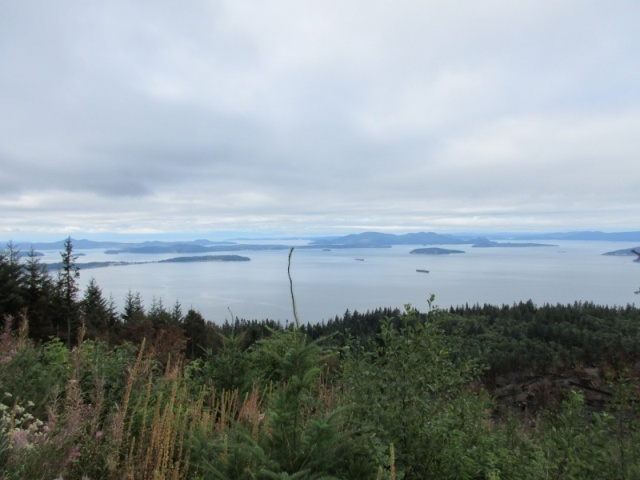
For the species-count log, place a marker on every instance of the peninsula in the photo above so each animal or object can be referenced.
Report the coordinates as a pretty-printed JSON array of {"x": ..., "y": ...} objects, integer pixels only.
[{"x": 200, "y": 258}]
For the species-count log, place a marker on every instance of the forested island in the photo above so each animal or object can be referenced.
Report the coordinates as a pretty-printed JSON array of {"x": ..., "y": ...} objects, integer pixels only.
[
  {"x": 435, "y": 251},
  {"x": 193, "y": 259},
  {"x": 486, "y": 243},
  {"x": 518, "y": 391},
  {"x": 206, "y": 258},
  {"x": 190, "y": 248}
]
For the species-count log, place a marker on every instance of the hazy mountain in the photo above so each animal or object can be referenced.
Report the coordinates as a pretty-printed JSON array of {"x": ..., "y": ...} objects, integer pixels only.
[
  {"x": 82, "y": 244},
  {"x": 359, "y": 240},
  {"x": 584, "y": 235},
  {"x": 377, "y": 239}
]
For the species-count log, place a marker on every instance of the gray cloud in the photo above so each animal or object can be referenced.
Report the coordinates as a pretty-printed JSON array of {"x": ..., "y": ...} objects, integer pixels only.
[{"x": 162, "y": 117}]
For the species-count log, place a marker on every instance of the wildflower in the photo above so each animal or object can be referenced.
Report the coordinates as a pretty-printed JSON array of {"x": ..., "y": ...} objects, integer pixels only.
[
  {"x": 19, "y": 438},
  {"x": 74, "y": 453},
  {"x": 72, "y": 456}
]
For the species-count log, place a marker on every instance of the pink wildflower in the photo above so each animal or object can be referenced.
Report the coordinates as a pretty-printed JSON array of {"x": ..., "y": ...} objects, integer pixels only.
[
  {"x": 20, "y": 439},
  {"x": 72, "y": 456}
]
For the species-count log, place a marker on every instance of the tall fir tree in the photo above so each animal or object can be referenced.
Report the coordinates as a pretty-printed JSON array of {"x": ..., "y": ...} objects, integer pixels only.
[
  {"x": 11, "y": 279},
  {"x": 194, "y": 327},
  {"x": 67, "y": 287},
  {"x": 38, "y": 293},
  {"x": 133, "y": 309},
  {"x": 95, "y": 311},
  {"x": 158, "y": 314},
  {"x": 176, "y": 313}
]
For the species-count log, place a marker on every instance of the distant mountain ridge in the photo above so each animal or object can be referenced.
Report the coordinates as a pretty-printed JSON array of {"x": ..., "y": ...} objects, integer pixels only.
[
  {"x": 587, "y": 235},
  {"x": 369, "y": 239},
  {"x": 356, "y": 240},
  {"x": 83, "y": 244},
  {"x": 377, "y": 239}
]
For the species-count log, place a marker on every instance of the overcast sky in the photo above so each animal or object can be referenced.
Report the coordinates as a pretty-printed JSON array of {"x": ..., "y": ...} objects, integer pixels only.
[{"x": 306, "y": 117}]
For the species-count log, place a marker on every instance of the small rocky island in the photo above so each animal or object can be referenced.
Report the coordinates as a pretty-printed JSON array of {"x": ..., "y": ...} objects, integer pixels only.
[{"x": 435, "y": 251}]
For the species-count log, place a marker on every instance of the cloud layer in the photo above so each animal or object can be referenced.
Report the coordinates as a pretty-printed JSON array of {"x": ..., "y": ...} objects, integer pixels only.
[{"x": 305, "y": 117}]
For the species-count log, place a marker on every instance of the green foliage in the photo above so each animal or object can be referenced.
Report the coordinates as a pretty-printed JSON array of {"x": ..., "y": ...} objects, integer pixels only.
[
  {"x": 228, "y": 368},
  {"x": 624, "y": 433},
  {"x": 575, "y": 442},
  {"x": 412, "y": 394},
  {"x": 301, "y": 434},
  {"x": 107, "y": 366},
  {"x": 286, "y": 356},
  {"x": 410, "y": 386},
  {"x": 36, "y": 374},
  {"x": 527, "y": 337}
]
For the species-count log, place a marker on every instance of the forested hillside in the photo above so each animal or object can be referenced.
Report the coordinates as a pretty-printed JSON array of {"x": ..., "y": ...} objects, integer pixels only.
[{"x": 497, "y": 392}]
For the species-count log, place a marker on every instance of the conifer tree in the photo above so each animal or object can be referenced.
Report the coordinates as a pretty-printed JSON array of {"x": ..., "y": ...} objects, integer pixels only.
[
  {"x": 38, "y": 293},
  {"x": 158, "y": 315},
  {"x": 11, "y": 277},
  {"x": 68, "y": 274},
  {"x": 133, "y": 309},
  {"x": 176, "y": 313},
  {"x": 194, "y": 327},
  {"x": 95, "y": 310}
]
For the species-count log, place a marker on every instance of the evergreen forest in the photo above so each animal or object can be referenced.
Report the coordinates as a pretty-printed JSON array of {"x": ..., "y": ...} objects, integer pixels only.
[{"x": 522, "y": 391}]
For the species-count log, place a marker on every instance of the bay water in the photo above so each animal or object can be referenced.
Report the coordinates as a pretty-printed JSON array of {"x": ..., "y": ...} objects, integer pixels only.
[{"x": 327, "y": 283}]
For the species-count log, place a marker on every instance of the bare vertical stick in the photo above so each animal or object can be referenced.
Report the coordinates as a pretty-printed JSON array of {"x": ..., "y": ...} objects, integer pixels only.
[{"x": 293, "y": 298}]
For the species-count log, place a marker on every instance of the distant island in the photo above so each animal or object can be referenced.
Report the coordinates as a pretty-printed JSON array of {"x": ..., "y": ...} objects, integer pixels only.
[
  {"x": 22, "y": 254},
  {"x": 435, "y": 251},
  {"x": 202, "y": 258},
  {"x": 190, "y": 248},
  {"x": 206, "y": 258},
  {"x": 486, "y": 243}
]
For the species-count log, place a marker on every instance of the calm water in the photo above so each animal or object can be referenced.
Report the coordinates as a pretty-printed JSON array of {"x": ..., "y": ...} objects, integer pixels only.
[{"x": 328, "y": 283}]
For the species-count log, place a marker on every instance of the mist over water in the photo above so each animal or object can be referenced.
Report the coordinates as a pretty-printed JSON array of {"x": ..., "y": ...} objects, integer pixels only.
[{"x": 327, "y": 283}]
